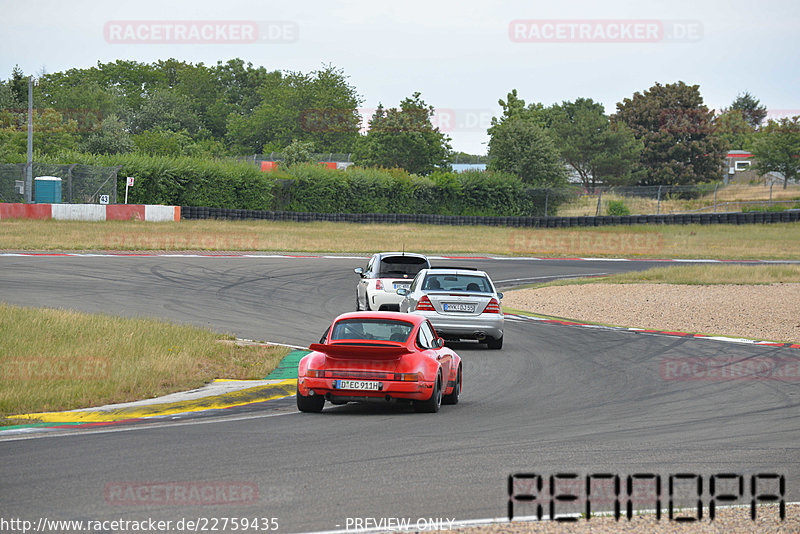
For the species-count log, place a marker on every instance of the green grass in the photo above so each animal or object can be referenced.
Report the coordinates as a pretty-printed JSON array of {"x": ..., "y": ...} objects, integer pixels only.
[
  {"x": 59, "y": 360},
  {"x": 752, "y": 241}
]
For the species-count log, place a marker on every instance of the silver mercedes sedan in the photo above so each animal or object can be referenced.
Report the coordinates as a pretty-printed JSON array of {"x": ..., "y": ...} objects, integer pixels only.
[{"x": 460, "y": 303}]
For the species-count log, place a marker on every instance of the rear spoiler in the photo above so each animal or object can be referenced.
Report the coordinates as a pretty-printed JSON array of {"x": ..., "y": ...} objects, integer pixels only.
[{"x": 361, "y": 351}]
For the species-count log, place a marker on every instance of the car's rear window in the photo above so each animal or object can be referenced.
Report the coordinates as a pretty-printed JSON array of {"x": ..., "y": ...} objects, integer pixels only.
[
  {"x": 372, "y": 329},
  {"x": 401, "y": 266},
  {"x": 457, "y": 282}
]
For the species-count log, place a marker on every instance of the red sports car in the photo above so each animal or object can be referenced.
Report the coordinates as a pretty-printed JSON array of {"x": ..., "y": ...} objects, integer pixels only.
[{"x": 379, "y": 357}]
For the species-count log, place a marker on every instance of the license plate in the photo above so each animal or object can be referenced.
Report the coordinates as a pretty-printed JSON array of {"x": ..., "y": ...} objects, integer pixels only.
[
  {"x": 399, "y": 285},
  {"x": 454, "y": 306},
  {"x": 363, "y": 385}
]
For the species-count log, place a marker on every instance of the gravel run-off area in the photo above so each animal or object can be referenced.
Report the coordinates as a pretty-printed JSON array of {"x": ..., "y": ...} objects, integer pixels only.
[
  {"x": 730, "y": 520},
  {"x": 767, "y": 312}
]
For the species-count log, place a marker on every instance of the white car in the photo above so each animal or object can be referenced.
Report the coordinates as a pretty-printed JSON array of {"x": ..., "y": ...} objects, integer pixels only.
[{"x": 385, "y": 273}]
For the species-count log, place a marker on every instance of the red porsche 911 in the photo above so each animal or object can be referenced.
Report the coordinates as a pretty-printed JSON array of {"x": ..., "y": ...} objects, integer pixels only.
[{"x": 379, "y": 357}]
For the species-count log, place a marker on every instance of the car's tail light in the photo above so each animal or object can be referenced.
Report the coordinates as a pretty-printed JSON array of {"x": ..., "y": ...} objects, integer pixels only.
[
  {"x": 378, "y": 284},
  {"x": 492, "y": 307},
  {"x": 408, "y": 377},
  {"x": 315, "y": 373},
  {"x": 424, "y": 304}
]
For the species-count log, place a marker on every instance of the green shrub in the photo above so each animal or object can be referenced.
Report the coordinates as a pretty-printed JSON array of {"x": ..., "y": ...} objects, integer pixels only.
[
  {"x": 617, "y": 208},
  {"x": 309, "y": 187}
]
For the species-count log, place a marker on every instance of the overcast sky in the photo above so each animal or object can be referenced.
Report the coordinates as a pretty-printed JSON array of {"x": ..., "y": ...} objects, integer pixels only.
[{"x": 461, "y": 55}]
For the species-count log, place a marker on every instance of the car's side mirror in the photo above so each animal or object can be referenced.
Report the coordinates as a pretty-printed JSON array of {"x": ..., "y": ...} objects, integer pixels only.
[
  {"x": 499, "y": 295},
  {"x": 402, "y": 291},
  {"x": 359, "y": 271},
  {"x": 438, "y": 343}
]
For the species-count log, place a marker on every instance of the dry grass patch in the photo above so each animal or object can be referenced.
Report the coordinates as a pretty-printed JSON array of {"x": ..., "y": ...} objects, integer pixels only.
[
  {"x": 54, "y": 360},
  {"x": 772, "y": 241}
]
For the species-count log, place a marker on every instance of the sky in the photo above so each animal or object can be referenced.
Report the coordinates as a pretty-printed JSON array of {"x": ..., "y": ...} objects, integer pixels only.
[{"x": 462, "y": 56}]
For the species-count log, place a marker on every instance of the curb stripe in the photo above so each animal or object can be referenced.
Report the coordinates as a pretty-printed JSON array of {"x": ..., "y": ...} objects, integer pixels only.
[
  {"x": 286, "y": 388},
  {"x": 685, "y": 335}
]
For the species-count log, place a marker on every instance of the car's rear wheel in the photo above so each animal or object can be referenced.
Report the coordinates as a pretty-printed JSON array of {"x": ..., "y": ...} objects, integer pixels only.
[
  {"x": 452, "y": 398},
  {"x": 431, "y": 405},
  {"x": 310, "y": 403},
  {"x": 493, "y": 343}
]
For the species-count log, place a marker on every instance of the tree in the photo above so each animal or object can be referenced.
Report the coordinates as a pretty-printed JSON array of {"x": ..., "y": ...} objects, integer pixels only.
[
  {"x": 319, "y": 107},
  {"x": 111, "y": 138},
  {"x": 777, "y": 148},
  {"x": 19, "y": 86},
  {"x": 750, "y": 108},
  {"x": 734, "y": 130},
  {"x": 404, "y": 138},
  {"x": 6, "y": 96},
  {"x": 161, "y": 142},
  {"x": 676, "y": 129},
  {"x": 165, "y": 110},
  {"x": 514, "y": 107},
  {"x": 298, "y": 152},
  {"x": 522, "y": 147},
  {"x": 596, "y": 150}
]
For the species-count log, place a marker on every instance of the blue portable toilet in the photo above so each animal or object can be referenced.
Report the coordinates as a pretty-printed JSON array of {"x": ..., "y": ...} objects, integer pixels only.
[{"x": 48, "y": 190}]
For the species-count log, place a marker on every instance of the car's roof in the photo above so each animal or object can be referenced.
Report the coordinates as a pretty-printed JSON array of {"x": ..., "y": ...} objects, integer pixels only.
[
  {"x": 386, "y": 315},
  {"x": 412, "y": 254},
  {"x": 455, "y": 270}
]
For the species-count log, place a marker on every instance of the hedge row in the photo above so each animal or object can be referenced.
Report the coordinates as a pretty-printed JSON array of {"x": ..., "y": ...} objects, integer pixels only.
[
  {"x": 230, "y": 184},
  {"x": 310, "y": 188}
]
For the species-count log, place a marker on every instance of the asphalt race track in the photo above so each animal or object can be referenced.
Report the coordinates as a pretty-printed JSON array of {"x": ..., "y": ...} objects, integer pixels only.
[{"x": 555, "y": 399}]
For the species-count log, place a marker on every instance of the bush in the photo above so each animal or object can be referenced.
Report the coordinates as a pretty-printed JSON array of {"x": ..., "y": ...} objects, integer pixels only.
[
  {"x": 618, "y": 208},
  {"x": 309, "y": 187},
  {"x": 183, "y": 181}
]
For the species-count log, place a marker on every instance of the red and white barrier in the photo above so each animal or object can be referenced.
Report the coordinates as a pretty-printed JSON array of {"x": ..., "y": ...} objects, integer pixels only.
[{"x": 91, "y": 212}]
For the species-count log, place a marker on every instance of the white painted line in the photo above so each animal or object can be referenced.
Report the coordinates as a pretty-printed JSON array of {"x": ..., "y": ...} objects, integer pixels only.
[
  {"x": 57, "y": 433},
  {"x": 298, "y": 347},
  {"x": 556, "y": 277},
  {"x": 465, "y": 523}
]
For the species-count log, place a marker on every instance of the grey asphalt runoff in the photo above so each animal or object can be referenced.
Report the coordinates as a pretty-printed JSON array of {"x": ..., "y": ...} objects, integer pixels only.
[{"x": 556, "y": 399}]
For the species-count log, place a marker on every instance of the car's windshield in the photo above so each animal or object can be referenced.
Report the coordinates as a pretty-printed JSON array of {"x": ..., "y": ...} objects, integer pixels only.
[
  {"x": 457, "y": 282},
  {"x": 401, "y": 266},
  {"x": 372, "y": 329}
]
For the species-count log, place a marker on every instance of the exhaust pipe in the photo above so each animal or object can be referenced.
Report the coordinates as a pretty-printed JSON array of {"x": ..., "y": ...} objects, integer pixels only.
[
  {"x": 388, "y": 398},
  {"x": 480, "y": 336}
]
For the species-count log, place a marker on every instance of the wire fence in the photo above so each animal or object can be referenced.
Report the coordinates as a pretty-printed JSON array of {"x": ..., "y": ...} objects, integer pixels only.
[
  {"x": 80, "y": 184},
  {"x": 702, "y": 198},
  {"x": 86, "y": 183}
]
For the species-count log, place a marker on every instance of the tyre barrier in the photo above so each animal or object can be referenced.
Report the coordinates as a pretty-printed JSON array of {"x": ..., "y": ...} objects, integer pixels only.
[{"x": 192, "y": 212}]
